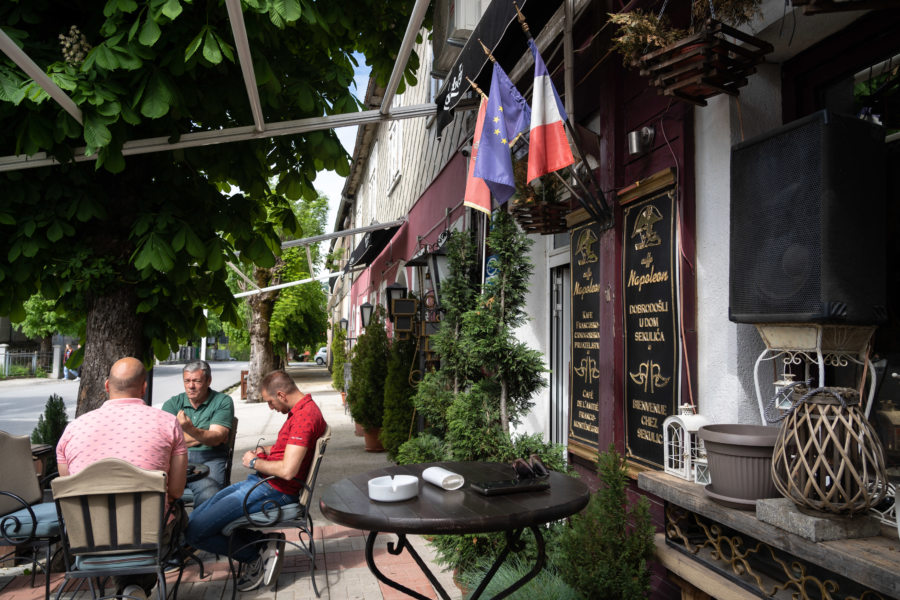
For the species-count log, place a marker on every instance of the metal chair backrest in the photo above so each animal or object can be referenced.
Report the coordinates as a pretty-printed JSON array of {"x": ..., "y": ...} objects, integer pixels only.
[
  {"x": 110, "y": 507},
  {"x": 310, "y": 484},
  {"x": 229, "y": 458},
  {"x": 17, "y": 474}
]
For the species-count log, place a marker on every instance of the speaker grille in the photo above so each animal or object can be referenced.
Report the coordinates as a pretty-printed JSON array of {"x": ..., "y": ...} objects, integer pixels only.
[{"x": 788, "y": 205}]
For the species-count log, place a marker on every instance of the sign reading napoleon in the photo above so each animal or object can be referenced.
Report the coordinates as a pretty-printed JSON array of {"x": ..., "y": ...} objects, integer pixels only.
[{"x": 650, "y": 321}]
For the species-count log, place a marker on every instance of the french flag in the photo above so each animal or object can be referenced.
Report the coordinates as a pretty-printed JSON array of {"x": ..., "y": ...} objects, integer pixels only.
[
  {"x": 477, "y": 196},
  {"x": 548, "y": 148}
]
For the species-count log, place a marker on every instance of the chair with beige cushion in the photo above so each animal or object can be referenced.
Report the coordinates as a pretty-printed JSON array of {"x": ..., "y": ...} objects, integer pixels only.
[
  {"x": 25, "y": 520},
  {"x": 114, "y": 517},
  {"x": 290, "y": 515}
]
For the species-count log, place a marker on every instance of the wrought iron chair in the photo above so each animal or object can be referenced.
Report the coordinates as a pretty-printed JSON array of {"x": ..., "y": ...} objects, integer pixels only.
[
  {"x": 25, "y": 520},
  {"x": 114, "y": 523},
  {"x": 290, "y": 515}
]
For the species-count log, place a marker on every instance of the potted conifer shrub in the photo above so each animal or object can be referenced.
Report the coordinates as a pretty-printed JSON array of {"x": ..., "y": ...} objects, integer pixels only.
[{"x": 366, "y": 393}]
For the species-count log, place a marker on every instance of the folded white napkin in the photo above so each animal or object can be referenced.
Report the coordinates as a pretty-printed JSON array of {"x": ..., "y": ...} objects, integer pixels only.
[{"x": 443, "y": 478}]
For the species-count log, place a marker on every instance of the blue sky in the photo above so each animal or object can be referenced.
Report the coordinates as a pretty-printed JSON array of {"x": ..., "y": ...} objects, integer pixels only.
[{"x": 328, "y": 182}]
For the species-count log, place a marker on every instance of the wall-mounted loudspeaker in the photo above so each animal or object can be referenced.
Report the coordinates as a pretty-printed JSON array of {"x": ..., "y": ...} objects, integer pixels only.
[{"x": 807, "y": 223}]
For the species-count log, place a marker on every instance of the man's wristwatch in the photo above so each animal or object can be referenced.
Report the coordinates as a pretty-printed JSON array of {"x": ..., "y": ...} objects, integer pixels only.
[{"x": 253, "y": 462}]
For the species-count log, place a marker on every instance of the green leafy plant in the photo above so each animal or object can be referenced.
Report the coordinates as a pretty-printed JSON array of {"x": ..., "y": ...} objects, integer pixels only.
[
  {"x": 547, "y": 583},
  {"x": 50, "y": 427},
  {"x": 423, "y": 448},
  {"x": 604, "y": 552},
  {"x": 338, "y": 357},
  {"x": 140, "y": 244},
  {"x": 396, "y": 427},
  {"x": 369, "y": 365}
]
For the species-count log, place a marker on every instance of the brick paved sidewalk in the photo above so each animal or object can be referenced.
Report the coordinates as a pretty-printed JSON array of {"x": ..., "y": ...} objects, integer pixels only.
[{"x": 341, "y": 574}]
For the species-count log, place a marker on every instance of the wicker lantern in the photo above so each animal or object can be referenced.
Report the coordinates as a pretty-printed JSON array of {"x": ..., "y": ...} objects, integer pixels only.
[
  {"x": 681, "y": 445},
  {"x": 827, "y": 457}
]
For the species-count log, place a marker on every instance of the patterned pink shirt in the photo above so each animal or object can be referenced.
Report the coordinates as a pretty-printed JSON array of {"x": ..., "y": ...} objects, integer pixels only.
[{"x": 124, "y": 428}]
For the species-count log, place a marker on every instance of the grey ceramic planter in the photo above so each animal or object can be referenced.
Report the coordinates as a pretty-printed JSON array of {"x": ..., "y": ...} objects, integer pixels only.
[{"x": 740, "y": 463}]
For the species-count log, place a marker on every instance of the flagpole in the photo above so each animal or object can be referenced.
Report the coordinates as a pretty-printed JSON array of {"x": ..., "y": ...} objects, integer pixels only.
[{"x": 597, "y": 191}]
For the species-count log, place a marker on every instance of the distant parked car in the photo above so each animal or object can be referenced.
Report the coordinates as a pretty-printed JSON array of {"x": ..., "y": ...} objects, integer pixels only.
[{"x": 322, "y": 355}]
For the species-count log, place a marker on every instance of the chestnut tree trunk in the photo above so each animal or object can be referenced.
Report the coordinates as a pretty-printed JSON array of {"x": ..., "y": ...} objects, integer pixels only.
[
  {"x": 113, "y": 331},
  {"x": 262, "y": 354}
]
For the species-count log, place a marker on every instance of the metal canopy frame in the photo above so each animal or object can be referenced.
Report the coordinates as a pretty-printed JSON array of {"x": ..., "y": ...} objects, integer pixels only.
[{"x": 259, "y": 129}]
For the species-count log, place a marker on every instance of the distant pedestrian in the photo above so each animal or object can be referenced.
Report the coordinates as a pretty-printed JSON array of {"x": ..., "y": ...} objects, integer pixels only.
[{"x": 66, "y": 369}]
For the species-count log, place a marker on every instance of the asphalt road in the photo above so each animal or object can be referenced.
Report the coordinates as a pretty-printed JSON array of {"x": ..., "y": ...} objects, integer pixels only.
[{"x": 23, "y": 400}]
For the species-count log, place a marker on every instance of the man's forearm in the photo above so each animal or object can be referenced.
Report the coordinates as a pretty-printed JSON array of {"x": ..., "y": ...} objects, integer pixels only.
[{"x": 203, "y": 437}]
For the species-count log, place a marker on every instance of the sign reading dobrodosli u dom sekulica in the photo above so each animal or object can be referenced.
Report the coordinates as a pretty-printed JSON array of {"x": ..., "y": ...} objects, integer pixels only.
[{"x": 650, "y": 324}]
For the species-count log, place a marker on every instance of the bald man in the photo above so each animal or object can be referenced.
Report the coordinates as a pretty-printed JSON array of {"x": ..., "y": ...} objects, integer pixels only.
[{"x": 126, "y": 428}]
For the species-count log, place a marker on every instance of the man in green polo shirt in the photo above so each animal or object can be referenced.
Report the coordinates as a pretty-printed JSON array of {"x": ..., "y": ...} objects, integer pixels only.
[{"x": 205, "y": 417}]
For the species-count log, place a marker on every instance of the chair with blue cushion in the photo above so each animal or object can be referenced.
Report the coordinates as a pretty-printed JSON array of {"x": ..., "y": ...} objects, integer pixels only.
[
  {"x": 25, "y": 521},
  {"x": 280, "y": 517},
  {"x": 114, "y": 517}
]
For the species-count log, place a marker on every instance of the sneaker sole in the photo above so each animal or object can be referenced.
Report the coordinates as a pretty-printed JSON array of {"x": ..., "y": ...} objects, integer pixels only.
[{"x": 273, "y": 571}]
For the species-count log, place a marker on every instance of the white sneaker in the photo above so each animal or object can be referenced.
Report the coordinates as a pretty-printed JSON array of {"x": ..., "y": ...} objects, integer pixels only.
[
  {"x": 134, "y": 592},
  {"x": 273, "y": 558}
]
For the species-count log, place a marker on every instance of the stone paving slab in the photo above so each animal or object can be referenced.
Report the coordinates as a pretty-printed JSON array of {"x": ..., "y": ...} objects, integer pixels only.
[{"x": 341, "y": 574}]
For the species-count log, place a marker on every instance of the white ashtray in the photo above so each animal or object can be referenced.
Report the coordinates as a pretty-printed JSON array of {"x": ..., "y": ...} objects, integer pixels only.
[{"x": 393, "y": 489}]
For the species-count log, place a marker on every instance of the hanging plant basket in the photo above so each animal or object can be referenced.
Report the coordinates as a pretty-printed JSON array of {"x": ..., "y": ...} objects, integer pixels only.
[
  {"x": 705, "y": 64},
  {"x": 538, "y": 209}
]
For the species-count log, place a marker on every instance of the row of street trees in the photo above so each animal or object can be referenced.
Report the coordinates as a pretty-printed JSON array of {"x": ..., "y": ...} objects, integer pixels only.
[{"x": 139, "y": 245}]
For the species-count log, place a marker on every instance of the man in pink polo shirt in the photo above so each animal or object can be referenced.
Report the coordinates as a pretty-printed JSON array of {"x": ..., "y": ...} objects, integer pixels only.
[{"x": 126, "y": 428}]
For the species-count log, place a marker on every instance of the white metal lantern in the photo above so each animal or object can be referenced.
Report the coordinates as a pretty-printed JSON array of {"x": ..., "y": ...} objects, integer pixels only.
[
  {"x": 682, "y": 447},
  {"x": 701, "y": 470}
]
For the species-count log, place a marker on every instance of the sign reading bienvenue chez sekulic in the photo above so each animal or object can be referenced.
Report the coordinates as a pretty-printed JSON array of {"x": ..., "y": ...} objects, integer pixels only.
[{"x": 650, "y": 324}]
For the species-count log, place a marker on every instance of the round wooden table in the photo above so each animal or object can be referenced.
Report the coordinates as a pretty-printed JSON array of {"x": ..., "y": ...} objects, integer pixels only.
[{"x": 438, "y": 512}]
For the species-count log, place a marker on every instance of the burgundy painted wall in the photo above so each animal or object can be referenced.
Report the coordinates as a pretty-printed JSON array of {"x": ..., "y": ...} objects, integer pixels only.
[{"x": 614, "y": 101}]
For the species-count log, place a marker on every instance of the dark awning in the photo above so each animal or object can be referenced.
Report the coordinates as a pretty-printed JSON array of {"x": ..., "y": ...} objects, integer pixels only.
[
  {"x": 501, "y": 33},
  {"x": 370, "y": 247}
]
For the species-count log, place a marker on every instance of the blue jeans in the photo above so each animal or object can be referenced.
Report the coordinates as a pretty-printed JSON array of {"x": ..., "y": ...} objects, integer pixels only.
[
  {"x": 206, "y": 488},
  {"x": 204, "y": 529}
]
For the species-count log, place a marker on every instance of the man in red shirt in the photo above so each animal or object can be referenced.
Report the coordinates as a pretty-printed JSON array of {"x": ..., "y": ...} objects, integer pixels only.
[{"x": 288, "y": 459}]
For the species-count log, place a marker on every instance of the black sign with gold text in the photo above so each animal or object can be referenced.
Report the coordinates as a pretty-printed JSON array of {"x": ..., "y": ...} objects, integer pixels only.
[
  {"x": 650, "y": 325},
  {"x": 585, "y": 367}
]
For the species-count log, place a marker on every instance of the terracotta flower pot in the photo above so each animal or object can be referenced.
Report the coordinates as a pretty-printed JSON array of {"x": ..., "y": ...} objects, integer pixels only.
[
  {"x": 373, "y": 443},
  {"x": 359, "y": 431}
]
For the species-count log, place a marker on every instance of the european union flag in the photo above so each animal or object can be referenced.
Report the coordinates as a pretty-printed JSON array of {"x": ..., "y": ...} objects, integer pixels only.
[{"x": 507, "y": 115}]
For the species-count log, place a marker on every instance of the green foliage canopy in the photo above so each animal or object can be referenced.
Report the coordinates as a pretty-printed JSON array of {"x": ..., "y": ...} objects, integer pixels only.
[{"x": 163, "y": 226}]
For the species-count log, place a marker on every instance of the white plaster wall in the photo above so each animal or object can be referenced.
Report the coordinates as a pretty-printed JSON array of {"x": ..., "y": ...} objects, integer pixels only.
[
  {"x": 536, "y": 334},
  {"x": 727, "y": 351},
  {"x": 719, "y": 393}
]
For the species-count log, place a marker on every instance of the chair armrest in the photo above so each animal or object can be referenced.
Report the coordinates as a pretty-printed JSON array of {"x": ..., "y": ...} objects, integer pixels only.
[
  {"x": 270, "y": 510},
  {"x": 47, "y": 479},
  {"x": 9, "y": 521}
]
